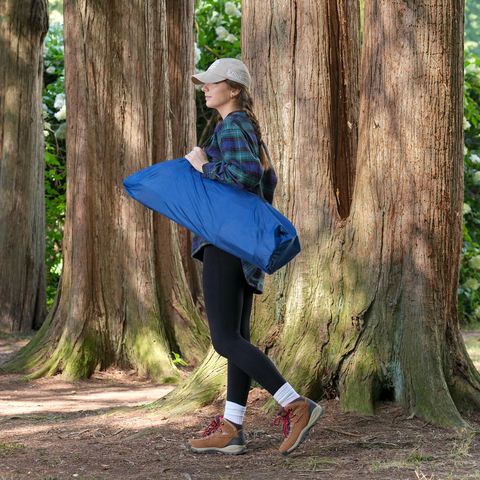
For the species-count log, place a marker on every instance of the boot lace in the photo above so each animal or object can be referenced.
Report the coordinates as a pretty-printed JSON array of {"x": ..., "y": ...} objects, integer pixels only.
[
  {"x": 286, "y": 417},
  {"x": 213, "y": 427}
]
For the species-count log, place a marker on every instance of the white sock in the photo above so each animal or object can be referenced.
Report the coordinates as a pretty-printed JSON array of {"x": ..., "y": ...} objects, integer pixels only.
[
  {"x": 285, "y": 395},
  {"x": 234, "y": 412}
]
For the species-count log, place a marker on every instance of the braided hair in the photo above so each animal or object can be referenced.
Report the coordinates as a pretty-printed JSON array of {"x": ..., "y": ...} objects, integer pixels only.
[{"x": 245, "y": 101}]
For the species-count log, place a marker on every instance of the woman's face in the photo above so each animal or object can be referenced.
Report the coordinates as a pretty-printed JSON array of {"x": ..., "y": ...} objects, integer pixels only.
[{"x": 217, "y": 95}]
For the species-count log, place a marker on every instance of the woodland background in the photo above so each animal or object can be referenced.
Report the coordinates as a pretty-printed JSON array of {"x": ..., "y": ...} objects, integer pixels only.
[
  {"x": 378, "y": 284},
  {"x": 210, "y": 44}
]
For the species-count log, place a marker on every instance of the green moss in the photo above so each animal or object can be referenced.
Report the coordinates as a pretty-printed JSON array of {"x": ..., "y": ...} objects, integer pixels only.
[
  {"x": 204, "y": 385},
  {"x": 171, "y": 380},
  {"x": 357, "y": 389},
  {"x": 149, "y": 352}
]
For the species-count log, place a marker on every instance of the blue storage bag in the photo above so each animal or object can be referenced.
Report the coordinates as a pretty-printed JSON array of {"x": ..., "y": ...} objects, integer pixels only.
[{"x": 230, "y": 218}]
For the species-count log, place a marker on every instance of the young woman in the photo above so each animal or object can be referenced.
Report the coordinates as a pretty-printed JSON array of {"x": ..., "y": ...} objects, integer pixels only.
[{"x": 236, "y": 155}]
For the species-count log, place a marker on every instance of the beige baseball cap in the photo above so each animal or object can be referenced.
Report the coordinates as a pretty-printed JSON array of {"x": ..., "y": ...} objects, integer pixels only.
[{"x": 223, "y": 69}]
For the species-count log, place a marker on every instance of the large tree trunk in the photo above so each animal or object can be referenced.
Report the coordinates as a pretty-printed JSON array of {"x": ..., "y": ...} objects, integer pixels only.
[
  {"x": 305, "y": 88},
  {"x": 23, "y": 26},
  {"x": 403, "y": 240},
  {"x": 119, "y": 120},
  {"x": 177, "y": 273},
  {"x": 369, "y": 308}
]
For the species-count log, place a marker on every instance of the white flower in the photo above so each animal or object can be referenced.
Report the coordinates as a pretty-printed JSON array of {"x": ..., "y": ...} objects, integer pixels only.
[
  {"x": 465, "y": 151},
  {"x": 197, "y": 71},
  {"x": 466, "y": 124},
  {"x": 222, "y": 33},
  {"x": 471, "y": 283},
  {"x": 231, "y": 38},
  {"x": 476, "y": 312},
  {"x": 474, "y": 158},
  {"x": 51, "y": 70},
  {"x": 214, "y": 18},
  {"x": 58, "y": 268},
  {"x": 475, "y": 262},
  {"x": 61, "y": 132},
  {"x": 232, "y": 10},
  {"x": 476, "y": 177},
  {"x": 62, "y": 113},
  {"x": 46, "y": 133},
  {"x": 59, "y": 101},
  {"x": 466, "y": 208},
  {"x": 47, "y": 126},
  {"x": 472, "y": 68},
  {"x": 198, "y": 54}
]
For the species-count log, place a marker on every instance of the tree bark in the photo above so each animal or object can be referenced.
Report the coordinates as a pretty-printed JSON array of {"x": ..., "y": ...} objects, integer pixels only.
[
  {"x": 23, "y": 26},
  {"x": 368, "y": 310},
  {"x": 178, "y": 275},
  {"x": 371, "y": 295},
  {"x": 111, "y": 306},
  {"x": 305, "y": 59},
  {"x": 404, "y": 238}
]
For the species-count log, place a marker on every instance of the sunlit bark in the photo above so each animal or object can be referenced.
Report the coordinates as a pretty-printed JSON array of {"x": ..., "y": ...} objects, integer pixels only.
[
  {"x": 23, "y": 26},
  {"x": 119, "y": 301},
  {"x": 368, "y": 310}
]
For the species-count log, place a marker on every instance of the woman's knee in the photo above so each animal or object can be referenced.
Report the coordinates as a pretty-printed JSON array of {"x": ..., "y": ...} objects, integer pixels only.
[{"x": 223, "y": 345}]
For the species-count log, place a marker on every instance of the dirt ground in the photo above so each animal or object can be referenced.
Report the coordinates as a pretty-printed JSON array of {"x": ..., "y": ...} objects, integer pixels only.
[{"x": 55, "y": 430}]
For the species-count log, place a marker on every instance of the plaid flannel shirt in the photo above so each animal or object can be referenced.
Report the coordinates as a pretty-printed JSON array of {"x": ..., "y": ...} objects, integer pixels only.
[{"x": 233, "y": 155}]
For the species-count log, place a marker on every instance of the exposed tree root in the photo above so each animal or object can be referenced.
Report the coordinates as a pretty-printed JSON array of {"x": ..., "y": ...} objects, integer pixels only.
[{"x": 205, "y": 384}]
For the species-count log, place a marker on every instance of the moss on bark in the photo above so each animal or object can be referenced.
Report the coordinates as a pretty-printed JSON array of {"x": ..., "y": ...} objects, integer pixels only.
[{"x": 206, "y": 383}]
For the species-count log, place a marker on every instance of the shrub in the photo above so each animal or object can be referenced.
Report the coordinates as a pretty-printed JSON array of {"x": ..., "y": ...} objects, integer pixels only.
[
  {"x": 469, "y": 291},
  {"x": 217, "y": 25},
  {"x": 54, "y": 113}
]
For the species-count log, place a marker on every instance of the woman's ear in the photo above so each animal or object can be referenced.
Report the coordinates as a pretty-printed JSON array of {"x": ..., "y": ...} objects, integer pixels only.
[{"x": 234, "y": 92}]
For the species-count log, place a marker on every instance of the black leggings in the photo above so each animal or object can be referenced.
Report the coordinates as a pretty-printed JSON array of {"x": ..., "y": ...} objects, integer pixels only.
[{"x": 228, "y": 301}]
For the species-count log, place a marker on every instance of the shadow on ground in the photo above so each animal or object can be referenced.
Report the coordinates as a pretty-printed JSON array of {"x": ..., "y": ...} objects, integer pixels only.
[{"x": 55, "y": 430}]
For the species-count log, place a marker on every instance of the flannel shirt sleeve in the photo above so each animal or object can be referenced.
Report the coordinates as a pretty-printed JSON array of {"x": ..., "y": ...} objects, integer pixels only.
[{"x": 239, "y": 166}]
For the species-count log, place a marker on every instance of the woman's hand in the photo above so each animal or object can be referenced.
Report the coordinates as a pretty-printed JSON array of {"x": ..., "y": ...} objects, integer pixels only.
[{"x": 197, "y": 157}]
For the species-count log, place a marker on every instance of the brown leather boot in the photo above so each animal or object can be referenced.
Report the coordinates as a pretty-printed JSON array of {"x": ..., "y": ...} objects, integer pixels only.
[
  {"x": 298, "y": 418},
  {"x": 219, "y": 437}
]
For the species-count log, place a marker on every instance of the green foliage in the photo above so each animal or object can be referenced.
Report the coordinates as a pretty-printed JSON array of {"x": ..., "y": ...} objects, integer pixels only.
[
  {"x": 178, "y": 360},
  {"x": 54, "y": 112},
  {"x": 55, "y": 5},
  {"x": 472, "y": 27},
  {"x": 55, "y": 10},
  {"x": 469, "y": 291},
  {"x": 217, "y": 25}
]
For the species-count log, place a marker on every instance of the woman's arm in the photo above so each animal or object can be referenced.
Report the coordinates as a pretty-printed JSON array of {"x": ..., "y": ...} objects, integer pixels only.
[{"x": 239, "y": 165}]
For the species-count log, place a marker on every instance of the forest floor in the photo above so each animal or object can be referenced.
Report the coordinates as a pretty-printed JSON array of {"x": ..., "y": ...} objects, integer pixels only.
[{"x": 51, "y": 429}]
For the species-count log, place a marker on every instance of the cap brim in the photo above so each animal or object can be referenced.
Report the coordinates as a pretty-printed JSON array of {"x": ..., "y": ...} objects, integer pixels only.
[{"x": 206, "y": 77}]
